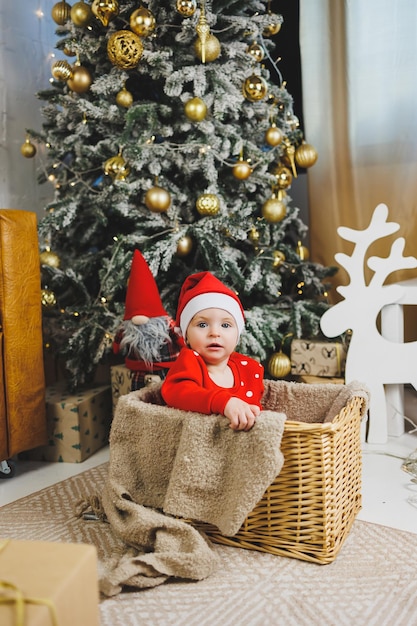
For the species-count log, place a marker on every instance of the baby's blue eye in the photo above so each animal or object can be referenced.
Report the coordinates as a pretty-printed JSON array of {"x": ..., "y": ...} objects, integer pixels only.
[{"x": 226, "y": 325}]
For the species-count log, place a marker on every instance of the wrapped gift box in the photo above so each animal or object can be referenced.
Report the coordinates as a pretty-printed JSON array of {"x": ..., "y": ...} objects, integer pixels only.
[
  {"x": 78, "y": 423},
  {"x": 63, "y": 574},
  {"x": 121, "y": 381},
  {"x": 317, "y": 358}
]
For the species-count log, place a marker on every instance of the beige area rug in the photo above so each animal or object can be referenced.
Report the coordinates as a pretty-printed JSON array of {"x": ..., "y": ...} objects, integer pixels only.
[{"x": 372, "y": 582}]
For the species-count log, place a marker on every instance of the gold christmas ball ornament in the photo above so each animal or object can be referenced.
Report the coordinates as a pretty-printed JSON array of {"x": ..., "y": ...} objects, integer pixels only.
[
  {"x": 242, "y": 170},
  {"x": 272, "y": 28},
  {"x": 186, "y": 8},
  {"x": 47, "y": 257},
  {"x": 142, "y": 22},
  {"x": 117, "y": 168},
  {"x": 124, "y": 98},
  {"x": 283, "y": 176},
  {"x": 105, "y": 10},
  {"x": 27, "y": 149},
  {"x": 61, "y": 70},
  {"x": 208, "y": 204},
  {"x": 184, "y": 246},
  {"x": 279, "y": 258},
  {"x": 279, "y": 365},
  {"x": 81, "y": 14},
  {"x": 306, "y": 155},
  {"x": 195, "y": 109},
  {"x": 274, "y": 136},
  {"x": 274, "y": 210},
  {"x": 302, "y": 251},
  {"x": 81, "y": 80},
  {"x": 256, "y": 51},
  {"x": 212, "y": 48},
  {"x": 124, "y": 49},
  {"x": 61, "y": 12},
  {"x": 48, "y": 299},
  {"x": 254, "y": 88},
  {"x": 158, "y": 199}
]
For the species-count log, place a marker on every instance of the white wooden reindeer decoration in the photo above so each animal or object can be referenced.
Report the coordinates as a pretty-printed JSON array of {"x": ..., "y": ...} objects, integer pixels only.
[{"x": 372, "y": 359}]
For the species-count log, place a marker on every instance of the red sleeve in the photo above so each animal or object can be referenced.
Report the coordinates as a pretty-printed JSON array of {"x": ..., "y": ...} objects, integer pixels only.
[{"x": 188, "y": 386}]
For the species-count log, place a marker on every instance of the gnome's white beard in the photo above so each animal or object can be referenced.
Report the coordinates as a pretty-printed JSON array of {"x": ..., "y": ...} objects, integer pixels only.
[{"x": 144, "y": 341}]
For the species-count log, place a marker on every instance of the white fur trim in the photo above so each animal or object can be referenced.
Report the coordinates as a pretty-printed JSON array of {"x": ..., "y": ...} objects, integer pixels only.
[{"x": 214, "y": 300}]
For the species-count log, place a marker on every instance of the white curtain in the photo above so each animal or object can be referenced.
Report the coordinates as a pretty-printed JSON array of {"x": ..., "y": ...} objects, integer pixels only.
[{"x": 359, "y": 70}]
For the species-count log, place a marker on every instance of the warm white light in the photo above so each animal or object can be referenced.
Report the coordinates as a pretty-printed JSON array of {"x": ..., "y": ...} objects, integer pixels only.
[{"x": 39, "y": 13}]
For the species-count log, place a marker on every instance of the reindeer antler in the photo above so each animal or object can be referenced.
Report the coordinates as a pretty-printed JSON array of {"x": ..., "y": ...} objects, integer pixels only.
[{"x": 383, "y": 267}]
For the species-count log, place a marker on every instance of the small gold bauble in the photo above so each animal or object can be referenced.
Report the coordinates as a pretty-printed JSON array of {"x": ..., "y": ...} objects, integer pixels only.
[
  {"x": 116, "y": 167},
  {"x": 105, "y": 10},
  {"x": 81, "y": 14},
  {"x": 124, "y": 98},
  {"x": 47, "y": 257},
  {"x": 272, "y": 29},
  {"x": 158, "y": 199},
  {"x": 69, "y": 52},
  {"x": 242, "y": 170},
  {"x": 274, "y": 135},
  {"x": 306, "y": 155},
  {"x": 195, "y": 109},
  {"x": 254, "y": 88},
  {"x": 124, "y": 49},
  {"x": 27, "y": 149},
  {"x": 61, "y": 12},
  {"x": 279, "y": 365},
  {"x": 142, "y": 22},
  {"x": 302, "y": 251},
  {"x": 81, "y": 80},
  {"x": 208, "y": 204},
  {"x": 256, "y": 51},
  {"x": 283, "y": 176},
  {"x": 184, "y": 246},
  {"x": 212, "y": 48},
  {"x": 279, "y": 258},
  {"x": 61, "y": 70},
  {"x": 187, "y": 8},
  {"x": 274, "y": 210},
  {"x": 48, "y": 299},
  {"x": 254, "y": 235}
]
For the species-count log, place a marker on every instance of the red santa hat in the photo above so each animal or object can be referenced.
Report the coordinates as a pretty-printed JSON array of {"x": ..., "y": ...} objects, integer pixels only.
[
  {"x": 142, "y": 297},
  {"x": 205, "y": 291}
]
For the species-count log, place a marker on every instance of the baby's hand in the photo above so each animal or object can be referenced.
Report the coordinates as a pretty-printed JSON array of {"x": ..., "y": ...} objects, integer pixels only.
[{"x": 240, "y": 414}]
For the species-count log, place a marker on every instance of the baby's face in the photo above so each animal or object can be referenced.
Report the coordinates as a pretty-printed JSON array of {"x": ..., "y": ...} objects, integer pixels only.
[{"x": 213, "y": 333}]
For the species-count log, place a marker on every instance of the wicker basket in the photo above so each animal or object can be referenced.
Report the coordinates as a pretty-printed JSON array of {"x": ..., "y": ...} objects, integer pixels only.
[{"x": 309, "y": 509}]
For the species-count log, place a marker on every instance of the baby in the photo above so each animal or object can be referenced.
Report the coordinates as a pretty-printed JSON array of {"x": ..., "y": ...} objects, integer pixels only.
[{"x": 208, "y": 375}]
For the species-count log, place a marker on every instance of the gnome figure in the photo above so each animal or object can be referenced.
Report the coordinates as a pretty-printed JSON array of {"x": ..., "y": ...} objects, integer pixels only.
[{"x": 146, "y": 338}]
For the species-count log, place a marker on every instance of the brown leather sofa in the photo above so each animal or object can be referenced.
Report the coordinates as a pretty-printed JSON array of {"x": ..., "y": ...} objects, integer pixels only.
[{"x": 22, "y": 378}]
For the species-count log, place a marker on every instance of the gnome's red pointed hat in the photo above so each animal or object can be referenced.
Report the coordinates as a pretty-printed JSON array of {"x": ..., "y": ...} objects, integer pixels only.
[
  {"x": 205, "y": 291},
  {"x": 142, "y": 297}
]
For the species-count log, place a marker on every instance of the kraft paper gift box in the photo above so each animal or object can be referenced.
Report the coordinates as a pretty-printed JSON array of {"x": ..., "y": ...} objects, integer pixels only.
[
  {"x": 121, "y": 382},
  {"x": 317, "y": 358},
  {"x": 62, "y": 574},
  {"x": 78, "y": 423}
]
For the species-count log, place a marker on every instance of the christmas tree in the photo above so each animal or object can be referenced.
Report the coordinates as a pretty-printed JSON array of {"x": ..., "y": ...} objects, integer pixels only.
[{"x": 171, "y": 131}]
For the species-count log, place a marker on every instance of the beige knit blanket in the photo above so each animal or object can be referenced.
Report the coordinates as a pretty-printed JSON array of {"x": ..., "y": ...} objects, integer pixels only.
[{"x": 166, "y": 463}]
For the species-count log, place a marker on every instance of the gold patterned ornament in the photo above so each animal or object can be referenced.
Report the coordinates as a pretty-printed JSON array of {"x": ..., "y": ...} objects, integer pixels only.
[
  {"x": 49, "y": 258},
  {"x": 254, "y": 88},
  {"x": 283, "y": 176},
  {"x": 124, "y": 98},
  {"x": 81, "y": 80},
  {"x": 279, "y": 258},
  {"x": 274, "y": 135},
  {"x": 61, "y": 70},
  {"x": 48, "y": 299},
  {"x": 302, "y": 251},
  {"x": 81, "y": 14},
  {"x": 195, "y": 109},
  {"x": 158, "y": 199},
  {"x": 208, "y": 204},
  {"x": 124, "y": 49},
  {"x": 116, "y": 167},
  {"x": 306, "y": 155},
  {"x": 289, "y": 156},
  {"x": 186, "y": 8},
  {"x": 279, "y": 364},
  {"x": 274, "y": 209},
  {"x": 203, "y": 31},
  {"x": 212, "y": 48},
  {"x": 105, "y": 10},
  {"x": 142, "y": 22},
  {"x": 28, "y": 149},
  {"x": 242, "y": 169},
  {"x": 184, "y": 246},
  {"x": 256, "y": 51},
  {"x": 61, "y": 12},
  {"x": 254, "y": 236}
]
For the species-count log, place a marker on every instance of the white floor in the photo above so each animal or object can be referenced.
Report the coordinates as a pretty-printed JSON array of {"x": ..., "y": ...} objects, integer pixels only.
[{"x": 386, "y": 486}]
